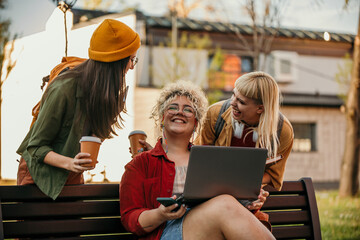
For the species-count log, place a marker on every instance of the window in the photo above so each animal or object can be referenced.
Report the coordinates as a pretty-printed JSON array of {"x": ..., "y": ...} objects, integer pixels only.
[
  {"x": 246, "y": 64},
  {"x": 304, "y": 137},
  {"x": 282, "y": 66}
]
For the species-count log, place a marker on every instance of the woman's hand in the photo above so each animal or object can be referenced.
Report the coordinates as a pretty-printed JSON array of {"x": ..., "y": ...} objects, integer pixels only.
[
  {"x": 147, "y": 146},
  {"x": 76, "y": 165},
  {"x": 257, "y": 204},
  {"x": 168, "y": 213},
  {"x": 71, "y": 164},
  {"x": 151, "y": 219}
]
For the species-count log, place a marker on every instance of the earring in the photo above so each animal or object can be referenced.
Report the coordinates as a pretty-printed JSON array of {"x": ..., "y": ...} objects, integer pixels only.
[
  {"x": 162, "y": 122},
  {"x": 164, "y": 137}
]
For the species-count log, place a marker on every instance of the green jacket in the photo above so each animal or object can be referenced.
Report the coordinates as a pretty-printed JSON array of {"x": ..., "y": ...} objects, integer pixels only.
[{"x": 56, "y": 129}]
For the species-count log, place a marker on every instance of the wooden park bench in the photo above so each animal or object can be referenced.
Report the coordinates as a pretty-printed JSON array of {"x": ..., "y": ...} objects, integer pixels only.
[{"x": 91, "y": 211}]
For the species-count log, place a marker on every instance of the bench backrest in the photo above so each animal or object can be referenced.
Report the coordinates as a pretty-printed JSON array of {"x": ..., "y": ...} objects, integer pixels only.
[
  {"x": 293, "y": 211},
  {"x": 79, "y": 210},
  {"x": 92, "y": 211}
]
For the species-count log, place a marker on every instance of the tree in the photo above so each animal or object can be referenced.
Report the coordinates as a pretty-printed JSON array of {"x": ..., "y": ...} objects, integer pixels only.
[
  {"x": 181, "y": 8},
  {"x": 343, "y": 77},
  {"x": 96, "y": 4},
  {"x": 65, "y": 6},
  {"x": 265, "y": 21},
  {"x": 264, "y": 16},
  {"x": 6, "y": 63},
  {"x": 349, "y": 179}
]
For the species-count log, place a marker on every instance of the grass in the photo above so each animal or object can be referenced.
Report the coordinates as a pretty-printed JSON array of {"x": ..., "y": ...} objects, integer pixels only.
[{"x": 339, "y": 217}]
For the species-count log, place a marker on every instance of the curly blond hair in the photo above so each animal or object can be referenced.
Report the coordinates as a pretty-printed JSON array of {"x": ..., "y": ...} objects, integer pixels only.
[{"x": 180, "y": 88}]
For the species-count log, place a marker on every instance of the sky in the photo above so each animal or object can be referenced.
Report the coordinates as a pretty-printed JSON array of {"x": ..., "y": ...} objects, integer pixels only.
[{"x": 324, "y": 15}]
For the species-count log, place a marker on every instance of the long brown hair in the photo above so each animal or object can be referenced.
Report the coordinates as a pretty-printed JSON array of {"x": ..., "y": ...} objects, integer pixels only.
[{"x": 104, "y": 87}]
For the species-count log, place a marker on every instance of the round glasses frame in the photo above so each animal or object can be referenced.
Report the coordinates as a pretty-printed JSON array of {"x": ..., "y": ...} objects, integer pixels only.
[{"x": 186, "y": 111}]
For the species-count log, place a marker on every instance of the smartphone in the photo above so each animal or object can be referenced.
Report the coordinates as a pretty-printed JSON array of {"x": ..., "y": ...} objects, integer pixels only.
[{"x": 166, "y": 201}]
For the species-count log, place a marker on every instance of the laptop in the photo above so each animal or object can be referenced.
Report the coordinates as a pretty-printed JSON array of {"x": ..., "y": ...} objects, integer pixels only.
[{"x": 215, "y": 170}]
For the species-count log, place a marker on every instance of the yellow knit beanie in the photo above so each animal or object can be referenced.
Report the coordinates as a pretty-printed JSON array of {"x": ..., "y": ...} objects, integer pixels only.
[{"x": 112, "y": 41}]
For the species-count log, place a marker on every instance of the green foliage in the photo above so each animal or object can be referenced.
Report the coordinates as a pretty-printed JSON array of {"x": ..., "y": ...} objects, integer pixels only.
[
  {"x": 217, "y": 61},
  {"x": 5, "y": 36},
  {"x": 188, "y": 40},
  {"x": 214, "y": 96},
  {"x": 339, "y": 217},
  {"x": 343, "y": 77},
  {"x": 215, "y": 74}
]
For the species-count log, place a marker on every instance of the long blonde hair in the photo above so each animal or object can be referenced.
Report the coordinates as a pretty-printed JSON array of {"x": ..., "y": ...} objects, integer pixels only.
[
  {"x": 263, "y": 89},
  {"x": 180, "y": 88}
]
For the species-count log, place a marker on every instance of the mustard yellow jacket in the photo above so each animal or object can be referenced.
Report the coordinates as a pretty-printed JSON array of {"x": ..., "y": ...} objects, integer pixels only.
[{"x": 275, "y": 167}]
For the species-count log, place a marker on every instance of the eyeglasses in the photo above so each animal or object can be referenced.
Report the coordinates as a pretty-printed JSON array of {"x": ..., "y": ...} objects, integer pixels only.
[
  {"x": 187, "y": 111},
  {"x": 134, "y": 61}
]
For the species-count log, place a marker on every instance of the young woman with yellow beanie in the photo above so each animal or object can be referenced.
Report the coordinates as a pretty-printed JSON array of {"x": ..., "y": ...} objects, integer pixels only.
[{"x": 87, "y": 99}]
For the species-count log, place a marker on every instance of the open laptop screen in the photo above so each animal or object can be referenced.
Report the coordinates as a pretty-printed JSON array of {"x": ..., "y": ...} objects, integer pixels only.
[{"x": 215, "y": 170}]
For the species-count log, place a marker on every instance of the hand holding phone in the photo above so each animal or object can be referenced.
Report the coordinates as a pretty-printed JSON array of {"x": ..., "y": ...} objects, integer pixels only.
[{"x": 168, "y": 201}]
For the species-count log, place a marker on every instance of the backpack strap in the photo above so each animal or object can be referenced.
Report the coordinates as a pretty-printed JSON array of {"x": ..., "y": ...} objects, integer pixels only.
[
  {"x": 220, "y": 121},
  {"x": 280, "y": 124}
]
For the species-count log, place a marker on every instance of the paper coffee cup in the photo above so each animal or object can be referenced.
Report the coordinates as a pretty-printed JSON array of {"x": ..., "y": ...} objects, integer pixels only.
[
  {"x": 135, "y": 146},
  {"x": 90, "y": 144}
]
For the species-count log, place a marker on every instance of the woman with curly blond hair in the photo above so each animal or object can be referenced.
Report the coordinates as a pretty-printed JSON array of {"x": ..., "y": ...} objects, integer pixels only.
[{"x": 161, "y": 172}]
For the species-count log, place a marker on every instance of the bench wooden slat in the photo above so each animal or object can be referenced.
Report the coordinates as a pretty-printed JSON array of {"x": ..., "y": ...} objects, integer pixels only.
[
  {"x": 293, "y": 212},
  {"x": 289, "y": 187},
  {"x": 115, "y": 237},
  {"x": 292, "y": 232},
  {"x": 85, "y": 191},
  {"x": 63, "y": 227},
  {"x": 58, "y": 210},
  {"x": 285, "y": 202},
  {"x": 289, "y": 217}
]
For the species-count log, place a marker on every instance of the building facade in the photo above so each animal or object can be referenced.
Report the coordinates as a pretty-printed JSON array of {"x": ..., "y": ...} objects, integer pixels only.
[
  {"x": 213, "y": 55},
  {"x": 303, "y": 62}
]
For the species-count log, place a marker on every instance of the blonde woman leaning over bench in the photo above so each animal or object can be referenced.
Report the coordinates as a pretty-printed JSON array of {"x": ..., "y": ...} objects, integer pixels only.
[
  {"x": 160, "y": 172},
  {"x": 251, "y": 118}
]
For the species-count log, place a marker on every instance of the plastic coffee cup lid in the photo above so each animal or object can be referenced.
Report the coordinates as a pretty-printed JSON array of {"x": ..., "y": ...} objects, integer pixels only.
[
  {"x": 90, "y": 139},
  {"x": 137, "y": 132}
]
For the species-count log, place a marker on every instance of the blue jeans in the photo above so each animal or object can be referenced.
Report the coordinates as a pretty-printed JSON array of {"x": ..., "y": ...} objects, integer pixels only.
[{"x": 174, "y": 229}]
